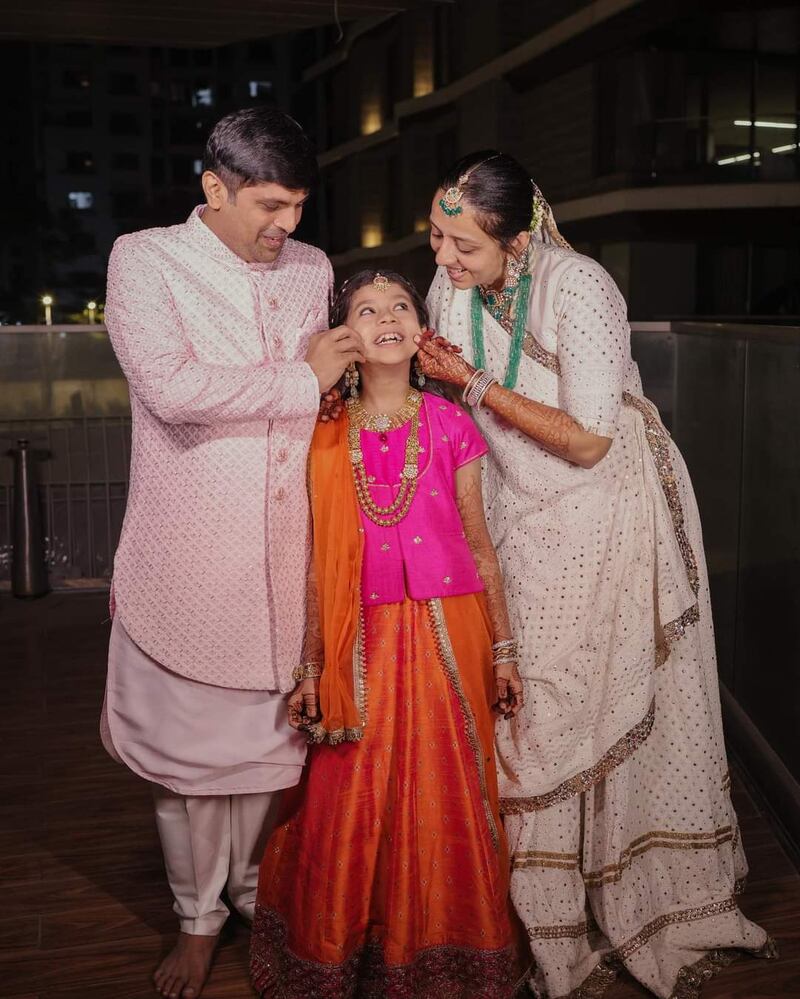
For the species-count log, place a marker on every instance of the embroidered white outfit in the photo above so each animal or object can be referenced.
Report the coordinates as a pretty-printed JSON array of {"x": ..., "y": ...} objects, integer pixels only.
[{"x": 625, "y": 847}]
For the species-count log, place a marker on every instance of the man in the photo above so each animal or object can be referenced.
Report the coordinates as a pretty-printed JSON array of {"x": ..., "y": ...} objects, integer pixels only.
[{"x": 218, "y": 325}]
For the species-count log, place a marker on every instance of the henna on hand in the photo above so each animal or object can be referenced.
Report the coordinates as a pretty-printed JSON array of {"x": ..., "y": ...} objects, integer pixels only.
[
  {"x": 331, "y": 406},
  {"x": 440, "y": 359}
]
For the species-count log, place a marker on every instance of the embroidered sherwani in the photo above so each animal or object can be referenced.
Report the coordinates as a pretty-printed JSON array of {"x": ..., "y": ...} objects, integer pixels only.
[
  {"x": 209, "y": 576},
  {"x": 613, "y": 779}
]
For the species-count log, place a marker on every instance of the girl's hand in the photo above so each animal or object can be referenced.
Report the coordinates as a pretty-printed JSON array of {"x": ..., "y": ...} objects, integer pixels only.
[
  {"x": 438, "y": 358},
  {"x": 304, "y": 704},
  {"x": 331, "y": 406},
  {"x": 510, "y": 692}
]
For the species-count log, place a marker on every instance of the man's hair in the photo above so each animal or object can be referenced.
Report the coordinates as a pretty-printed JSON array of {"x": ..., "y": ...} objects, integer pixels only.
[{"x": 261, "y": 146}]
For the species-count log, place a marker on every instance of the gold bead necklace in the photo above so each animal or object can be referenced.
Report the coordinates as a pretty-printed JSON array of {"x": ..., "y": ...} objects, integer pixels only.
[{"x": 391, "y": 514}]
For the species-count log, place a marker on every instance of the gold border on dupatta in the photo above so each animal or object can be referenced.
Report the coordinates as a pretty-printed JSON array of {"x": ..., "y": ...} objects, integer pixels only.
[
  {"x": 586, "y": 779},
  {"x": 450, "y": 666},
  {"x": 658, "y": 441}
]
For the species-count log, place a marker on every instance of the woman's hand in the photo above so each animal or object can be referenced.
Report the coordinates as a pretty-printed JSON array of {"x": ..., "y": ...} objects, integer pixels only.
[
  {"x": 331, "y": 406},
  {"x": 438, "y": 358},
  {"x": 304, "y": 704},
  {"x": 510, "y": 692}
]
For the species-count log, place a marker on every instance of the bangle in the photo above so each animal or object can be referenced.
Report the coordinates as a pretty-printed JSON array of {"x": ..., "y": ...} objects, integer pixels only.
[
  {"x": 468, "y": 387},
  {"x": 478, "y": 389},
  {"x": 306, "y": 671}
]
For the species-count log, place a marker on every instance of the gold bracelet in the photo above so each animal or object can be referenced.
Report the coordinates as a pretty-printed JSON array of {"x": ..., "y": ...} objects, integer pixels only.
[{"x": 306, "y": 671}]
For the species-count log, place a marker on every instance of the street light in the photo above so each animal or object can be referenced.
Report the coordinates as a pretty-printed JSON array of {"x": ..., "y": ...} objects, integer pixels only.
[
  {"x": 91, "y": 308},
  {"x": 47, "y": 302}
]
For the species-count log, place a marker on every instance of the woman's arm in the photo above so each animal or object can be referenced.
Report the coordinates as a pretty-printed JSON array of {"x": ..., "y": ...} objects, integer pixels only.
[
  {"x": 470, "y": 506},
  {"x": 555, "y": 430}
]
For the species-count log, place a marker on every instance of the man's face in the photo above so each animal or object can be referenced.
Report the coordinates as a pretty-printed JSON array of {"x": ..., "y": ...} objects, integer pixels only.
[{"x": 254, "y": 222}]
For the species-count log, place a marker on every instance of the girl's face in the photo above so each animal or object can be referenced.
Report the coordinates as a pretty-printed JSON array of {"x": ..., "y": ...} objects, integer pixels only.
[{"x": 387, "y": 322}]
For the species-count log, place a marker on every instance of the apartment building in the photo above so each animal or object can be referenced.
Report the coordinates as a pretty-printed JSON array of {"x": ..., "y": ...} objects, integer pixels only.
[{"x": 664, "y": 134}]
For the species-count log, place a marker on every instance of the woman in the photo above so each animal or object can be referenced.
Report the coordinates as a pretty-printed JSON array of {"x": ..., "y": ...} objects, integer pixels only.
[
  {"x": 625, "y": 847},
  {"x": 389, "y": 877}
]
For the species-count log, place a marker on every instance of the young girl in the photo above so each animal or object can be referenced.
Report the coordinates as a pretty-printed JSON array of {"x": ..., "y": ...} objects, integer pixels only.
[{"x": 389, "y": 877}]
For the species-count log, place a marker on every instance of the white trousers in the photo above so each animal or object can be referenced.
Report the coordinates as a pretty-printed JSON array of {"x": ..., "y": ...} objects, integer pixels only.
[{"x": 210, "y": 843}]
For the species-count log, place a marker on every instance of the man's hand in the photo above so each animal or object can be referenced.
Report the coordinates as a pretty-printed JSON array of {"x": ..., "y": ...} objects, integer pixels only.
[{"x": 330, "y": 352}]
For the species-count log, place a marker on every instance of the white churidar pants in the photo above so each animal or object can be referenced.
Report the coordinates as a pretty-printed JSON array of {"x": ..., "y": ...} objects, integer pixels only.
[{"x": 210, "y": 843}]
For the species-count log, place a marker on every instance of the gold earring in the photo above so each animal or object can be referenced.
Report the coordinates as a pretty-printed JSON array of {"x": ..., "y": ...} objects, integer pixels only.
[{"x": 351, "y": 379}]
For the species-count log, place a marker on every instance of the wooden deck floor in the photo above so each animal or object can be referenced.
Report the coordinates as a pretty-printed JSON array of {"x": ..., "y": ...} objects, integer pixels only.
[{"x": 84, "y": 906}]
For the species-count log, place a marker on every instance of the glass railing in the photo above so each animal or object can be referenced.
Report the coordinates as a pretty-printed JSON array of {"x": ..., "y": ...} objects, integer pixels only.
[{"x": 729, "y": 394}]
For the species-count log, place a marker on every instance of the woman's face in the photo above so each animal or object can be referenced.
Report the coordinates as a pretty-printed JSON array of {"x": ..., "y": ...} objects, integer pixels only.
[
  {"x": 469, "y": 254},
  {"x": 387, "y": 322}
]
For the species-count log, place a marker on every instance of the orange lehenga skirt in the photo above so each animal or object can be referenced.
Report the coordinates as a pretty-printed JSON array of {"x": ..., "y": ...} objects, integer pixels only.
[{"x": 388, "y": 878}]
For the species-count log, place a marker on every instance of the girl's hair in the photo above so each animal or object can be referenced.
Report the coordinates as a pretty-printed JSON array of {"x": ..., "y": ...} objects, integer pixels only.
[
  {"x": 498, "y": 189},
  {"x": 341, "y": 306},
  {"x": 344, "y": 297}
]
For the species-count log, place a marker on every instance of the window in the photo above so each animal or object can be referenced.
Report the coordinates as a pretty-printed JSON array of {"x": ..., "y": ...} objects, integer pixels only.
[
  {"x": 260, "y": 51},
  {"x": 182, "y": 169},
  {"x": 157, "y": 170},
  {"x": 179, "y": 57},
  {"x": 83, "y": 243},
  {"x": 78, "y": 119},
  {"x": 125, "y": 203},
  {"x": 79, "y": 162},
  {"x": 82, "y": 200},
  {"x": 76, "y": 79},
  {"x": 260, "y": 89},
  {"x": 125, "y": 161},
  {"x": 203, "y": 97},
  {"x": 123, "y": 85},
  {"x": 186, "y": 132},
  {"x": 121, "y": 123}
]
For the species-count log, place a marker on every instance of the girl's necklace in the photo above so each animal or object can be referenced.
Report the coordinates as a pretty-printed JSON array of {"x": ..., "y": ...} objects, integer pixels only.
[{"x": 359, "y": 419}]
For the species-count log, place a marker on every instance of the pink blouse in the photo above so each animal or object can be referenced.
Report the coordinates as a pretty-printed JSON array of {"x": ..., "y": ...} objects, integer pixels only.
[{"x": 426, "y": 555}]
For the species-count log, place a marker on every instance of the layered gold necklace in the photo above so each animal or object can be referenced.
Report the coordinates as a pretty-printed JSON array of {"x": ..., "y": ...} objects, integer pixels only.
[{"x": 359, "y": 419}]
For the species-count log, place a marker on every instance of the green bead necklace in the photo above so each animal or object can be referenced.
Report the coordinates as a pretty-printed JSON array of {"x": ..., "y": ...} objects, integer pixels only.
[{"x": 517, "y": 330}]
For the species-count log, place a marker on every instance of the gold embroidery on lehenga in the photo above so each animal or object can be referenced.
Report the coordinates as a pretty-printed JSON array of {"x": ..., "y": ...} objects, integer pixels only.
[
  {"x": 448, "y": 661},
  {"x": 617, "y": 754}
]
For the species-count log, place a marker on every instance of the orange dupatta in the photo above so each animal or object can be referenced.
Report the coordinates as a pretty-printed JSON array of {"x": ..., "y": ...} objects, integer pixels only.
[{"x": 338, "y": 551}]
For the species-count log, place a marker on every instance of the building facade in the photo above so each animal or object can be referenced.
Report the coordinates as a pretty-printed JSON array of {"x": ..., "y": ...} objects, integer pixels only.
[
  {"x": 106, "y": 139},
  {"x": 664, "y": 134}
]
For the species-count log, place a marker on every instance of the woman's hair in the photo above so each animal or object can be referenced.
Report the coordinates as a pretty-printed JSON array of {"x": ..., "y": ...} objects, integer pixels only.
[
  {"x": 498, "y": 189},
  {"x": 341, "y": 307},
  {"x": 344, "y": 296},
  {"x": 261, "y": 146}
]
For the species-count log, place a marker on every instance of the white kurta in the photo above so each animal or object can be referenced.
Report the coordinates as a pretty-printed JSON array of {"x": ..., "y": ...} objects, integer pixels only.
[{"x": 614, "y": 780}]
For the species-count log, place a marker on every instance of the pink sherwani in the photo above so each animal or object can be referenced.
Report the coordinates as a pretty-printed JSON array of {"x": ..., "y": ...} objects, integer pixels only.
[{"x": 209, "y": 576}]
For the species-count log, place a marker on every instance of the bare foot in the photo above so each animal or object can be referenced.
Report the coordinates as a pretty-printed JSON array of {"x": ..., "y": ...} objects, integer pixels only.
[{"x": 183, "y": 972}]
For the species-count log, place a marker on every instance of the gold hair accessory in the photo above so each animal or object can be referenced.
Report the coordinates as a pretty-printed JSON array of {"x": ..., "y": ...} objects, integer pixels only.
[
  {"x": 380, "y": 282},
  {"x": 451, "y": 202}
]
